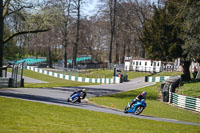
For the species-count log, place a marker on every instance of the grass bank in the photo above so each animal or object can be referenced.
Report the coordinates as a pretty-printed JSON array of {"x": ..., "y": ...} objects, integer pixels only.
[
  {"x": 23, "y": 116},
  {"x": 154, "y": 106},
  {"x": 191, "y": 89}
]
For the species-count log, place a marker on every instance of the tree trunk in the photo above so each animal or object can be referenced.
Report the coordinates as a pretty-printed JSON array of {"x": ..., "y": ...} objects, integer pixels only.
[
  {"x": 112, "y": 20},
  {"x": 66, "y": 35},
  {"x": 50, "y": 57},
  {"x": 75, "y": 49},
  {"x": 65, "y": 56},
  {"x": 123, "y": 54},
  {"x": 1, "y": 36},
  {"x": 187, "y": 70},
  {"x": 128, "y": 51},
  {"x": 117, "y": 54}
]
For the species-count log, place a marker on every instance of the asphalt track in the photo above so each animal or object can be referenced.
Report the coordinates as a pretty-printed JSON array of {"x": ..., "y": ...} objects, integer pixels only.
[{"x": 58, "y": 96}]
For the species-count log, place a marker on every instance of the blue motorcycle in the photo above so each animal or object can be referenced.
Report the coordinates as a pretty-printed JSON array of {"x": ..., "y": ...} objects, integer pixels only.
[
  {"x": 75, "y": 97},
  {"x": 136, "y": 108}
]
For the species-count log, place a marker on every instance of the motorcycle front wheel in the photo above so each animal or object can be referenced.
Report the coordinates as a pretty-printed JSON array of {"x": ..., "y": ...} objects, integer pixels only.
[
  {"x": 68, "y": 100},
  {"x": 138, "y": 110},
  {"x": 76, "y": 99}
]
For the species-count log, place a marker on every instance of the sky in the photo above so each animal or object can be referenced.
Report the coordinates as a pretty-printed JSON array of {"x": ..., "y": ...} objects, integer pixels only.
[{"x": 90, "y": 8}]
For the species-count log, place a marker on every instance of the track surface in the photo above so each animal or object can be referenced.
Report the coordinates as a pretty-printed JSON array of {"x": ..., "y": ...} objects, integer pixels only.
[{"x": 58, "y": 96}]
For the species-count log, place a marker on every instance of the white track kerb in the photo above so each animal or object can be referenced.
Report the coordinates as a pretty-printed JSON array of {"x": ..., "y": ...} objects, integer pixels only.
[{"x": 114, "y": 80}]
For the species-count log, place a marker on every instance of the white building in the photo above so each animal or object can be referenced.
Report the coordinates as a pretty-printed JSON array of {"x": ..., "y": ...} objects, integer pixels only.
[{"x": 143, "y": 65}]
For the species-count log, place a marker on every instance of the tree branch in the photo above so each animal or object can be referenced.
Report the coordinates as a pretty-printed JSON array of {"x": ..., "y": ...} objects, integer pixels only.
[
  {"x": 5, "y": 6},
  {"x": 17, "y": 10},
  {"x": 21, "y": 33}
]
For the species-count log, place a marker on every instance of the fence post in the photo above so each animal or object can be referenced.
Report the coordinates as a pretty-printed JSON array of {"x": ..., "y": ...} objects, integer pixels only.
[
  {"x": 170, "y": 97},
  {"x": 21, "y": 76}
]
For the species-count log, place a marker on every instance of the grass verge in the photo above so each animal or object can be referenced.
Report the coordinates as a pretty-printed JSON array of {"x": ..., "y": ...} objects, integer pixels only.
[
  {"x": 57, "y": 82},
  {"x": 23, "y": 116},
  {"x": 52, "y": 81},
  {"x": 101, "y": 73},
  {"x": 168, "y": 74},
  {"x": 132, "y": 75},
  {"x": 190, "y": 89},
  {"x": 154, "y": 106}
]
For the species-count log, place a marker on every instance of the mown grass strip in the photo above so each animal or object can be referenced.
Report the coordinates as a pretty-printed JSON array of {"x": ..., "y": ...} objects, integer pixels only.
[{"x": 23, "y": 116}]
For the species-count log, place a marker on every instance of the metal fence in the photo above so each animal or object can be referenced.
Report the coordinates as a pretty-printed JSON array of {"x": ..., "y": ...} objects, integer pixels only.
[{"x": 184, "y": 101}]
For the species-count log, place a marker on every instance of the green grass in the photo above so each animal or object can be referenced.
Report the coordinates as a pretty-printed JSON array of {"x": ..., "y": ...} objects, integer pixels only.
[
  {"x": 52, "y": 81},
  {"x": 132, "y": 75},
  {"x": 24, "y": 117},
  {"x": 89, "y": 73},
  {"x": 57, "y": 82},
  {"x": 168, "y": 74},
  {"x": 154, "y": 106},
  {"x": 101, "y": 73},
  {"x": 191, "y": 89}
]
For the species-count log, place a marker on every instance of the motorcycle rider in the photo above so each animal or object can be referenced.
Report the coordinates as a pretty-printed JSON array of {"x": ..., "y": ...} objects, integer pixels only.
[
  {"x": 139, "y": 97},
  {"x": 83, "y": 93}
]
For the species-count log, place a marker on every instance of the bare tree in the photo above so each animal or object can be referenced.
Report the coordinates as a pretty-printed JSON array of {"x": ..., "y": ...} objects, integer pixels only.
[
  {"x": 7, "y": 9},
  {"x": 112, "y": 6},
  {"x": 75, "y": 48}
]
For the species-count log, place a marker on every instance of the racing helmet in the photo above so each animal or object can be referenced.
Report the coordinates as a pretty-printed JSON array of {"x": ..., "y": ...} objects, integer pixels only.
[
  {"x": 84, "y": 90},
  {"x": 144, "y": 93}
]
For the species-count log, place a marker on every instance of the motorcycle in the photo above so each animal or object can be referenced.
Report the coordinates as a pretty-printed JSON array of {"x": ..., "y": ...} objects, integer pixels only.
[
  {"x": 136, "y": 108},
  {"x": 75, "y": 97}
]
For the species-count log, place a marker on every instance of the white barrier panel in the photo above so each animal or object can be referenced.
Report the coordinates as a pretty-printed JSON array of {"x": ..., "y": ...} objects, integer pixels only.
[{"x": 74, "y": 78}]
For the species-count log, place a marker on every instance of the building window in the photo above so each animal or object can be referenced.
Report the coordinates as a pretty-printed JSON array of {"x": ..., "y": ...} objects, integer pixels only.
[
  {"x": 145, "y": 63},
  {"x": 133, "y": 63},
  {"x": 140, "y": 63},
  {"x": 136, "y": 63},
  {"x": 158, "y": 64},
  {"x": 154, "y": 64}
]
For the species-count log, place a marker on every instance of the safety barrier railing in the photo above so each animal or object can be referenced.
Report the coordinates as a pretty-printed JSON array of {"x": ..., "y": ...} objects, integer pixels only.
[
  {"x": 114, "y": 80},
  {"x": 158, "y": 79},
  {"x": 185, "y": 102}
]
